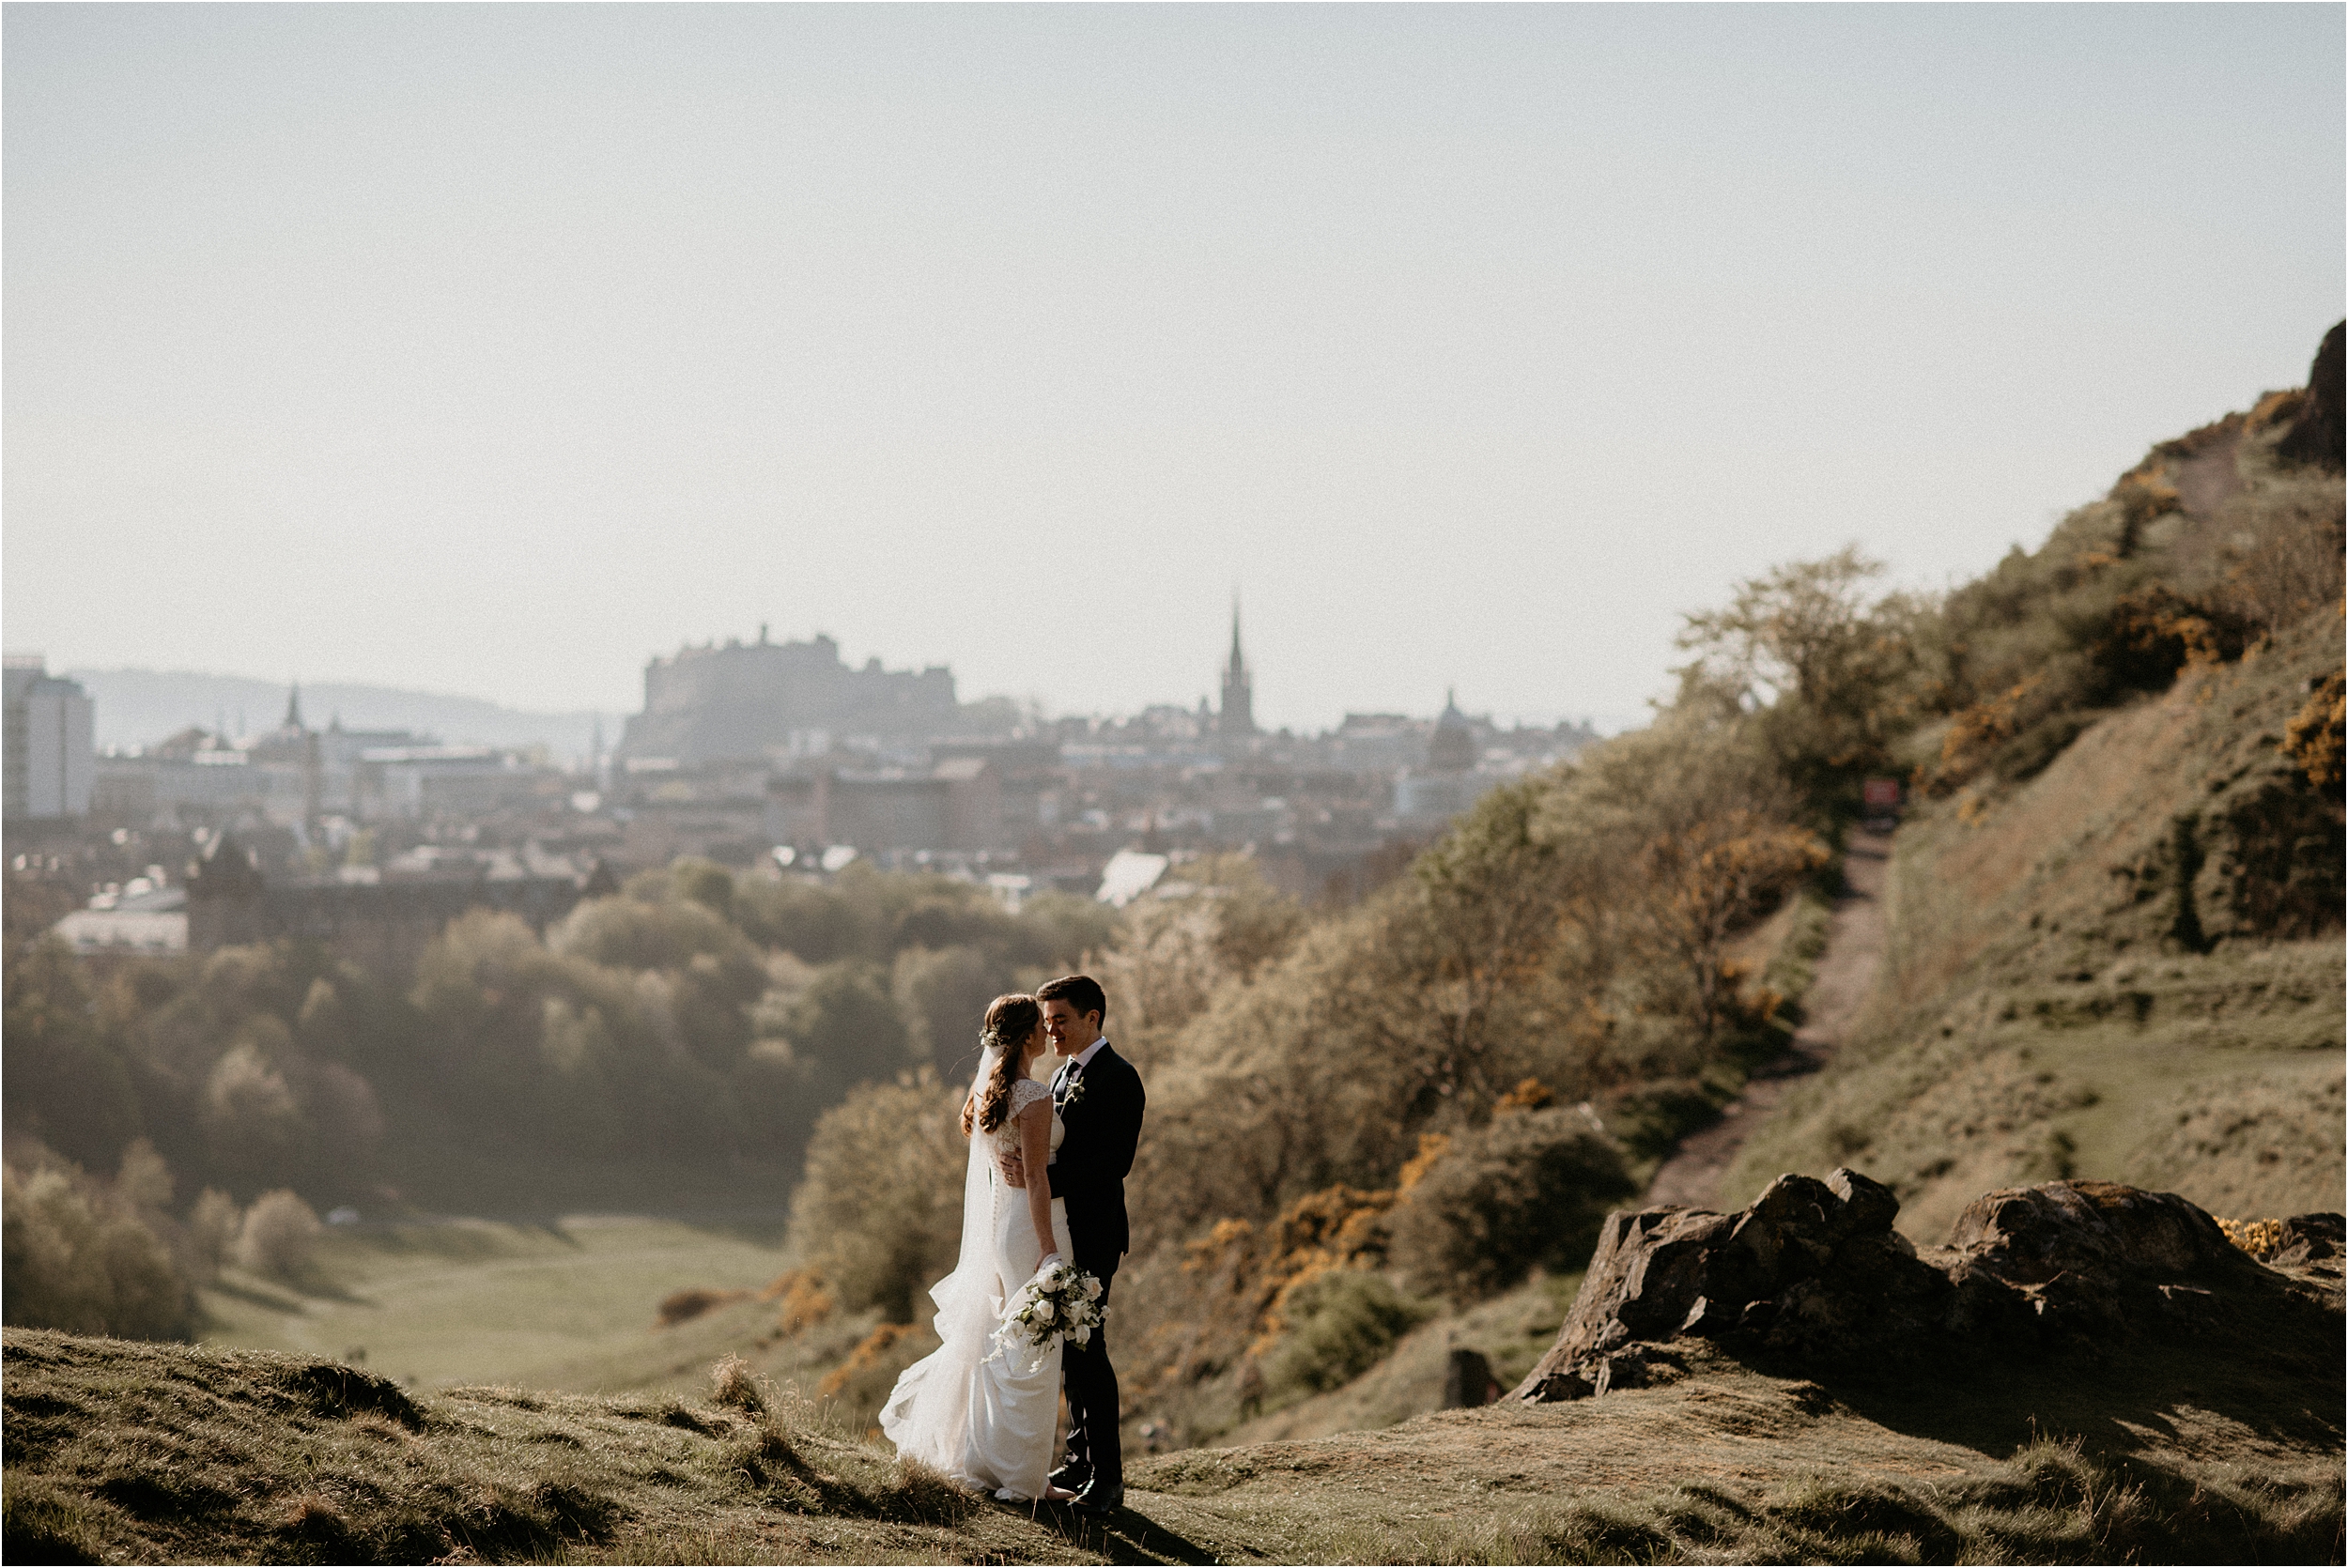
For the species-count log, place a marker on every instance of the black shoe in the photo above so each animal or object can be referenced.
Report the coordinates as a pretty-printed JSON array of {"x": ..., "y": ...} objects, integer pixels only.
[
  {"x": 1099, "y": 1500},
  {"x": 1072, "y": 1478}
]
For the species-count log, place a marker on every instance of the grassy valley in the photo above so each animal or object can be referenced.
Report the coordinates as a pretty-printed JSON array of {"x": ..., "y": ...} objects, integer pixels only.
[{"x": 435, "y": 1305}]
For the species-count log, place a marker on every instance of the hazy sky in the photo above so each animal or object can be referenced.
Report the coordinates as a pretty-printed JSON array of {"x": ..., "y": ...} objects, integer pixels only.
[{"x": 492, "y": 350}]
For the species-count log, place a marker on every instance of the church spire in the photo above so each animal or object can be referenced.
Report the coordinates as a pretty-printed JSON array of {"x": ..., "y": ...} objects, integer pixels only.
[
  {"x": 293, "y": 708},
  {"x": 1237, "y": 720}
]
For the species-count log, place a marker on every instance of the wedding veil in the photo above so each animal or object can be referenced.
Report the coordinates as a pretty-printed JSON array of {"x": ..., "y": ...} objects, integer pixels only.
[
  {"x": 929, "y": 1413},
  {"x": 966, "y": 1299}
]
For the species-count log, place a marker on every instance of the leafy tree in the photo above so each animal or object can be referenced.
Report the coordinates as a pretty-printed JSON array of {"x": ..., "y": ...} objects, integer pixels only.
[
  {"x": 1833, "y": 677},
  {"x": 68, "y": 1082},
  {"x": 1170, "y": 956},
  {"x": 77, "y": 1256},
  {"x": 846, "y": 1028},
  {"x": 942, "y": 995}
]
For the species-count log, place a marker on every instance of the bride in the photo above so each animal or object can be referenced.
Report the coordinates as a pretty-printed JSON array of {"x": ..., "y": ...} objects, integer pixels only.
[{"x": 988, "y": 1420}]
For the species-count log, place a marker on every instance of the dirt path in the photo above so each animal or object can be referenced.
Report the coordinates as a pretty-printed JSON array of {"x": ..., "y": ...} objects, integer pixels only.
[
  {"x": 1846, "y": 972},
  {"x": 2207, "y": 480}
]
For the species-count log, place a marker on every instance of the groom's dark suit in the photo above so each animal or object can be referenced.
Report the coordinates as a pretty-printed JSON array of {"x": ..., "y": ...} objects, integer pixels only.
[{"x": 1100, "y": 1107}]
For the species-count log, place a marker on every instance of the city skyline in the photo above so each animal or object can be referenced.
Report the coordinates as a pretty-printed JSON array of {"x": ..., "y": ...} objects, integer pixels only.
[
  {"x": 493, "y": 349},
  {"x": 481, "y": 721}
]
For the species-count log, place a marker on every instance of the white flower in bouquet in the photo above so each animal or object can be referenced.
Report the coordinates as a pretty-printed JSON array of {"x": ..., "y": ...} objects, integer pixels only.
[{"x": 1060, "y": 1303}]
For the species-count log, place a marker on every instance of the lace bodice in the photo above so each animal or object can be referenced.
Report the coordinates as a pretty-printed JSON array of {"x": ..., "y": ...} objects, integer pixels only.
[{"x": 1024, "y": 1093}]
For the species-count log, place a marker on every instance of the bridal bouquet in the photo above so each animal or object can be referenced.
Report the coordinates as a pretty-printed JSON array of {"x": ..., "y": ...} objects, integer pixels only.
[{"x": 1061, "y": 1303}]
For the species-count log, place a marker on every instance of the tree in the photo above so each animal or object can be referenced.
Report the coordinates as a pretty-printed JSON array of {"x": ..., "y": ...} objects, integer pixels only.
[
  {"x": 68, "y": 1080},
  {"x": 846, "y": 1028},
  {"x": 78, "y": 1257},
  {"x": 1830, "y": 675}
]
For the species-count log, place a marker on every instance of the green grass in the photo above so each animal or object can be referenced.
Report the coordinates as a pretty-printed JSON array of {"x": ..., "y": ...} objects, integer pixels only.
[
  {"x": 1512, "y": 1330},
  {"x": 570, "y": 1303}
]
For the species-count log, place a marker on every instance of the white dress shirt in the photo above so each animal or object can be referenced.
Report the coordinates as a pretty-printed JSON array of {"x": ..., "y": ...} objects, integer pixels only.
[{"x": 1076, "y": 1064}]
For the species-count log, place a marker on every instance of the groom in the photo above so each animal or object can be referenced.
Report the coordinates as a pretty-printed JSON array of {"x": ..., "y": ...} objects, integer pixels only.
[{"x": 1099, "y": 1098}]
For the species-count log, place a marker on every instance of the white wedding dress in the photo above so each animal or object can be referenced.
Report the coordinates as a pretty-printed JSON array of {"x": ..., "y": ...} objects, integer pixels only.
[{"x": 986, "y": 1419}]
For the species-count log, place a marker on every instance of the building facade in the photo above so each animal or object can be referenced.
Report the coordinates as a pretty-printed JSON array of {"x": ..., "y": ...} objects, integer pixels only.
[{"x": 48, "y": 748}]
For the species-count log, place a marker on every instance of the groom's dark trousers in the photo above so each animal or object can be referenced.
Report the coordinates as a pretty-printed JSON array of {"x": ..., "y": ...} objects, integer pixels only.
[{"x": 1101, "y": 1109}]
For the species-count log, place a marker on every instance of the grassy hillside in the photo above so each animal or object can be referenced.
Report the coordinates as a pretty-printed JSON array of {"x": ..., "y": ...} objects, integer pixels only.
[
  {"x": 476, "y": 1300},
  {"x": 147, "y": 1452},
  {"x": 2067, "y": 993}
]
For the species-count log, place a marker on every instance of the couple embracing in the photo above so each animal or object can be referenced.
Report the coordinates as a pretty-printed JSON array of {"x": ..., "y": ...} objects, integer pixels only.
[{"x": 1046, "y": 1190}]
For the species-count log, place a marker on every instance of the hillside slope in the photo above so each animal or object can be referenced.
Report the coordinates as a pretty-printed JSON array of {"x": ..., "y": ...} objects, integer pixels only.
[
  {"x": 2087, "y": 975},
  {"x": 123, "y": 1451}
]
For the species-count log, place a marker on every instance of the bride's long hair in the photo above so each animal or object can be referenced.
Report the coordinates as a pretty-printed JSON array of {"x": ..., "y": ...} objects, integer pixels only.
[{"x": 1009, "y": 1020}]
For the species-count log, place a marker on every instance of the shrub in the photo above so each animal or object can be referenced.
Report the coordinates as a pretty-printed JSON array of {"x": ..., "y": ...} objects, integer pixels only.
[
  {"x": 858, "y": 1387},
  {"x": 2314, "y": 736},
  {"x": 1341, "y": 1323},
  {"x": 879, "y": 1210},
  {"x": 214, "y": 1225},
  {"x": 1528, "y": 1190},
  {"x": 78, "y": 1257},
  {"x": 280, "y": 1235}
]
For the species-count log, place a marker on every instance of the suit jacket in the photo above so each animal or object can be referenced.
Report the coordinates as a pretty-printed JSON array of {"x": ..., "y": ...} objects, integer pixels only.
[{"x": 1099, "y": 1133}]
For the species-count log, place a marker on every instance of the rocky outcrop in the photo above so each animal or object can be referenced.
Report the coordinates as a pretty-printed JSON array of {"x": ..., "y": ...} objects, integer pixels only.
[
  {"x": 2316, "y": 434},
  {"x": 1813, "y": 1275}
]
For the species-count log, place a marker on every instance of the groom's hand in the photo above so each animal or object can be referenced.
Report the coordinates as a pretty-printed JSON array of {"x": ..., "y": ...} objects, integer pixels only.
[{"x": 1015, "y": 1168}]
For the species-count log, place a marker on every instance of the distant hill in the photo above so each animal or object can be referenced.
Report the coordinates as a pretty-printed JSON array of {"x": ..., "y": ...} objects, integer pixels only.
[{"x": 136, "y": 707}]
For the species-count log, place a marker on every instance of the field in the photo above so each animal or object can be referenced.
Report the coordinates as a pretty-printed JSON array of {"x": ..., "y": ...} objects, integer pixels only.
[{"x": 570, "y": 1303}]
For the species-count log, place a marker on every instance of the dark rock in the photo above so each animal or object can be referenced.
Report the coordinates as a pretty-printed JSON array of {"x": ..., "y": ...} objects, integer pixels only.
[
  {"x": 1868, "y": 1206},
  {"x": 1662, "y": 1272},
  {"x": 2307, "y": 1238},
  {"x": 1711, "y": 1319},
  {"x": 1813, "y": 1274},
  {"x": 1557, "y": 1389},
  {"x": 1468, "y": 1381},
  {"x": 2317, "y": 434},
  {"x": 1619, "y": 1372},
  {"x": 2035, "y": 1234}
]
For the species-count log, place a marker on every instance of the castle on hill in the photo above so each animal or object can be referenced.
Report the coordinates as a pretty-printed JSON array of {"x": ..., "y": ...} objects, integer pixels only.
[{"x": 750, "y": 699}]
